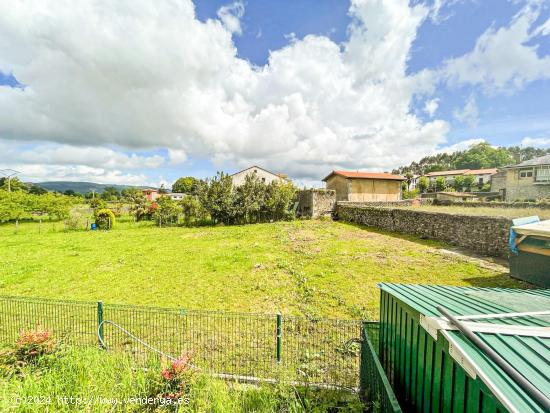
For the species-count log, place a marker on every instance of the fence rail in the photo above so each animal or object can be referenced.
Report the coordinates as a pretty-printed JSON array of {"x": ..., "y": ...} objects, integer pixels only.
[
  {"x": 321, "y": 352},
  {"x": 325, "y": 352}
]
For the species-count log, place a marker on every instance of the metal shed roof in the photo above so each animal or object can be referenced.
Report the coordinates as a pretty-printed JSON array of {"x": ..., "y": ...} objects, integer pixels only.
[{"x": 529, "y": 355}]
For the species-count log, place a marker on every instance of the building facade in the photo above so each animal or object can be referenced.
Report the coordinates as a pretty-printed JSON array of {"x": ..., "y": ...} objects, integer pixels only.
[
  {"x": 364, "y": 186},
  {"x": 529, "y": 180},
  {"x": 262, "y": 174}
]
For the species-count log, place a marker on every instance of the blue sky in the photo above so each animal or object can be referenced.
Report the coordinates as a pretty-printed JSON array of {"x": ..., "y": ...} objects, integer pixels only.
[{"x": 300, "y": 87}]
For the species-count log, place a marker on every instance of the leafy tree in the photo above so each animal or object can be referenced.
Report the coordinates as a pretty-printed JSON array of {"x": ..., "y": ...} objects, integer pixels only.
[
  {"x": 458, "y": 183},
  {"x": 37, "y": 190},
  {"x": 14, "y": 184},
  {"x": 192, "y": 210},
  {"x": 186, "y": 185},
  {"x": 483, "y": 155},
  {"x": 168, "y": 211},
  {"x": 110, "y": 193},
  {"x": 69, "y": 192},
  {"x": 104, "y": 218},
  {"x": 98, "y": 203},
  {"x": 440, "y": 184},
  {"x": 423, "y": 184},
  {"x": 217, "y": 198},
  {"x": 469, "y": 182},
  {"x": 131, "y": 193}
]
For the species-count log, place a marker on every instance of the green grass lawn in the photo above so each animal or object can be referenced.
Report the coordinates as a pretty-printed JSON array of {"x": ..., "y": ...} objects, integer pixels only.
[{"x": 320, "y": 268}]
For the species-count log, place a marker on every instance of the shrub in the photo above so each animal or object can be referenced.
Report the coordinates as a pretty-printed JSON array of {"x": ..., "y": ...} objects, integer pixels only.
[
  {"x": 74, "y": 221},
  {"x": 167, "y": 211},
  {"x": 104, "y": 218},
  {"x": 413, "y": 193},
  {"x": 174, "y": 381},
  {"x": 192, "y": 210},
  {"x": 98, "y": 203}
]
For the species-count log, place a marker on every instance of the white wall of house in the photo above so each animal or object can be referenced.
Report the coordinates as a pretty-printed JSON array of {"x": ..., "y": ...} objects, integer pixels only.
[{"x": 262, "y": 174}]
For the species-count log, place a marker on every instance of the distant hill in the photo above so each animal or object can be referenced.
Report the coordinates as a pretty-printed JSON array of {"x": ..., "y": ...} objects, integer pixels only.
[{"x": 80, "y": 187}]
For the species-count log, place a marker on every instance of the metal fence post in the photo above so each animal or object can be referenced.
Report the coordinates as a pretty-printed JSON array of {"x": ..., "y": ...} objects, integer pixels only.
[
  {"x": 279, "y": 323},
  {"x": 101, "y": 337},
  {"x": 363, "y": 368}
]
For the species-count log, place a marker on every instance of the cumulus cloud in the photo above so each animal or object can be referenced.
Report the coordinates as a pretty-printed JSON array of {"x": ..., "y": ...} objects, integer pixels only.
[
  {"x": 144, "y": 75},
  {"x": 469, "y": 113},
  {"x": 431, "y": 106},
  {"x": 459, "y": 146},
  {"x": 231, "y": 15},
  {"x": 503, "y": 59},
  {"x": 541, "y": 142}
]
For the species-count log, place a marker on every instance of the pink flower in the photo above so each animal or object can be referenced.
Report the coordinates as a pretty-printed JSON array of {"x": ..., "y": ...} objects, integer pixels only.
[{"x": 166, "y": 374}]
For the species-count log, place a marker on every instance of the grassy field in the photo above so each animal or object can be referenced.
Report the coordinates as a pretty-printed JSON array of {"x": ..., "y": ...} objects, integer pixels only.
[
  {"x": 487, "y": 211},
  {"x": 319, "y": 268}
]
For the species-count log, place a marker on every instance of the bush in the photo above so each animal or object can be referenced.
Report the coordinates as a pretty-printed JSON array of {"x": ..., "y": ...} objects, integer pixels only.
[
  {"x": 251, "y": 202},
  {"x": 74, "y": 221},
  {"x": 104, "y": 218},
  {"x": 167, "y": 211},
  {"x": 413, "y": 193},
  {"x": 192, "y": 210}
]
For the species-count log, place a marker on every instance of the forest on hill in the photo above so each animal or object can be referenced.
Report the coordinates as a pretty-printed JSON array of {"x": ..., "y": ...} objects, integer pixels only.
[{"x": 478, "y": 156}]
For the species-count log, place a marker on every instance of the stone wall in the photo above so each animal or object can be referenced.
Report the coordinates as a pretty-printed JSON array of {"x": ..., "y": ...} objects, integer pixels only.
[
  {"x": 496, "y": 205},
  {"x": 404, "y": 202},
  {"x": 314, "y": 203},
  {"x": 481, "y": 234}
]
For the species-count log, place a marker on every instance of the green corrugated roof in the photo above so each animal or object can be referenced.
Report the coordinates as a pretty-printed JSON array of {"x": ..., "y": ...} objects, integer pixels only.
[{"x": 529, "y": 355}]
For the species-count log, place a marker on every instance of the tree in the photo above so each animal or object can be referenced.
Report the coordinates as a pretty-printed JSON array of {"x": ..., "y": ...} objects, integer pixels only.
[
  {"x": 458, "y": 183},
  {"x": 216, "y": 196},
  {"x": 186, "y": 185},
  {"x": 69, "y": 192},
  {"x": 483, "y": 155},
  {"x": 469, "y": 182},
  {"x": 192, "y": 210},
  {"x": 37, "y": 190},
  {"x": 423, "y": 184},
  {"x": 409, "y": 178},
  {"x": 110, "y": 193},
  {"x": 440, "y": 184},
  {"x": 168, "y": 211},
  {"x": 13, "y": 184}
]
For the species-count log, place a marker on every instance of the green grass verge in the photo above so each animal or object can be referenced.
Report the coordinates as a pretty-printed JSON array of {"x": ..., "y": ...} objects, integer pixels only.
[
  {"x": 320, "y": 268},
  {"x": 91, "y": 380}
]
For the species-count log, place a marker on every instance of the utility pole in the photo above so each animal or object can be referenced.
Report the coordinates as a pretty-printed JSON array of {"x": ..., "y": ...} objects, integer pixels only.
[{"x": 9, "y": 173}]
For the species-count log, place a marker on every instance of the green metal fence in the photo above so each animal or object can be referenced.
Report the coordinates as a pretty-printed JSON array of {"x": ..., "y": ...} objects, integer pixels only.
[
  {"x": 375, "y": 387},
  {"x": 334, "y": 353}
]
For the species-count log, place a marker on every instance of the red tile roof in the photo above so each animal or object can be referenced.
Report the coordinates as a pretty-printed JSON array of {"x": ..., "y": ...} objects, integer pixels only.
[
  {"x": 443, "y": 173},
  {"x": 491, "y": 171},
  {"x": 366, "y": 175}
]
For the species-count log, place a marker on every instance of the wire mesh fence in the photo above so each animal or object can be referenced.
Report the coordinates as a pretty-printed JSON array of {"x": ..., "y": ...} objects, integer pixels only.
[{"x": 261, "y": 346}]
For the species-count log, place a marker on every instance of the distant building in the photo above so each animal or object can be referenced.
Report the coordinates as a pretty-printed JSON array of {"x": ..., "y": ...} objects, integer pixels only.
[
  {"x": 262, "y": 174},
  {"x": 528, "y": 180},
  {"x": 449, "y": 176},
  {"x": 482, "y": 175},
  {"x": 364, "y": 186},
  {"x": 176, "y": 196},
  {"x": 151, "y": 194}
]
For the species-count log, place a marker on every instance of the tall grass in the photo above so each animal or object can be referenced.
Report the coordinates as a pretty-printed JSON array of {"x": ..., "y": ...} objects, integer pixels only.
[{"x": 91, "y": 380}]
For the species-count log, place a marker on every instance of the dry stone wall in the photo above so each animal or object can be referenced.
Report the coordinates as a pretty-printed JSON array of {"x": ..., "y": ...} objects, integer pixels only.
[{"x": 480, "y": 234}]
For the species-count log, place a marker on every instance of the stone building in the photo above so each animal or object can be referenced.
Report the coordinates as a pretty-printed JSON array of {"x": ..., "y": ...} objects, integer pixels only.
[
  {"x": 262, "y": 174},
  {"x": 364, "y": 186},
  {"x": 528, "y": 180}
]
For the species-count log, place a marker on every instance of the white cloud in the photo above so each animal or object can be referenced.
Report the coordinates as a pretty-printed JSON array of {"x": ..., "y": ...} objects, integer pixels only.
[
  {"x": 145, "y": 75},
  {"x": 459, "y": 146},
  {"x": 502, "y": 59},
  {"x": 540, "y": 142},
  {"x": 231, "y": 15},
  {"x": 469, "y": 113},
  {"x": 431, "y": 106}
]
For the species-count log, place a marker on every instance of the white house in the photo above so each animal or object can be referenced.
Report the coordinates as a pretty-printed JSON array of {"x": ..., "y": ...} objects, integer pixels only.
[
  {"x": 262, "y": 174},
  {"x": 176, "y": 196},
  {"x": 482, "y": 176}
]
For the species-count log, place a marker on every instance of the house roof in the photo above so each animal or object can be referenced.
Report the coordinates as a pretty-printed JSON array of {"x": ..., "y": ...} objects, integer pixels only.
[
  {"x": 282, "y": 176},
  {"x": 541, "y": 160},
  {"x": 366, "y": 175},
  {"x": 443, "y": 173},
  {"x": 529, "y": 354},
  {"x": 481, "y": 171}
]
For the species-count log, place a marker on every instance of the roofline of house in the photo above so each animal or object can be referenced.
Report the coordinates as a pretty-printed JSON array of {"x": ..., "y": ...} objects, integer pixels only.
[
  {"x": 258, "y": 167},
  {"x": 364, "y": 177}
]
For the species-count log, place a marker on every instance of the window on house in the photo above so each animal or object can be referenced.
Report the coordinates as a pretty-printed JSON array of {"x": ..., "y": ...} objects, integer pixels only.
[
  {"x": 480, "y": 181},
  {"x": 263, "y": 179},
  {"x": 543, "y": 174},
  {"x": 526, "y": 174}
]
